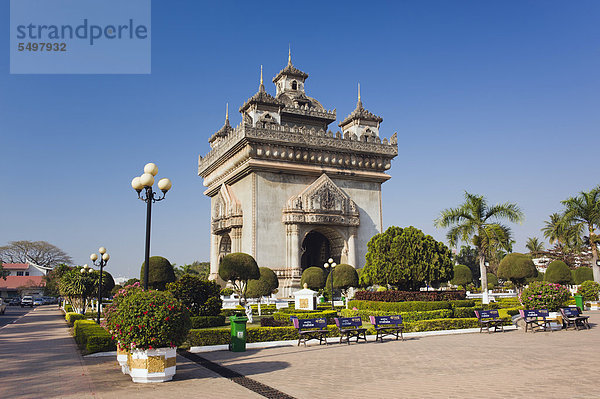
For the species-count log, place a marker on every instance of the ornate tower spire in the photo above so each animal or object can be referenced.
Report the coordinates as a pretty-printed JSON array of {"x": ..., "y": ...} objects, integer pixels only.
[
  {"x": 359, "y": 102},
  {"x": 289, "y": 54},
  {"x": 261, "y": 88},
  {"x": 227, "y": 112}
]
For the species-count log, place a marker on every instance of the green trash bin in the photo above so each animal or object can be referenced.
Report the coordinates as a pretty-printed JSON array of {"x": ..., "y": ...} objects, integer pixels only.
[
  {"x": 579, "y": 302},
  {"x": 238, "y": 333}
]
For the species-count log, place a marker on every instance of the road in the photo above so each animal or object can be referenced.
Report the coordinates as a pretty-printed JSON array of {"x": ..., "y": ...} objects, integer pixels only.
[{"x": 12, "y": 313}]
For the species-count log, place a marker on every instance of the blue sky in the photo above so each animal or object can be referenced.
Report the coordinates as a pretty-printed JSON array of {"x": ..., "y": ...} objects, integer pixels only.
[{"x": 496, "y": 98}]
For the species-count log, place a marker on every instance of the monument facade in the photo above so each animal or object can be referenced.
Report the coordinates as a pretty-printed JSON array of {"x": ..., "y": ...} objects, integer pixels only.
[{"x": 290, "y": 192}]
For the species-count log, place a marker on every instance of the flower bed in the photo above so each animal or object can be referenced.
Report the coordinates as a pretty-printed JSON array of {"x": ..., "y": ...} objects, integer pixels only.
[
  {"x": 411, "y": 306},
  {"x": 403, "y": 296},
  {"x": 544, "y": 295},
  {"x": 406, "y": 316}
]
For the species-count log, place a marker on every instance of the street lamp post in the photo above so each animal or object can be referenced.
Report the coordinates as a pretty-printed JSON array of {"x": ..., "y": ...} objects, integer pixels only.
[
  {"x": 145, "y": 182},
  {"x": 330, "y": 264},
  {"x": 104, "y": 257}
]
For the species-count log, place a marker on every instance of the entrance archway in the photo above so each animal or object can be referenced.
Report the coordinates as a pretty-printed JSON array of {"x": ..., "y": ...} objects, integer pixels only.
[
  {"x": 224, "y": 246},
  {"x": 319, "y": 245}
]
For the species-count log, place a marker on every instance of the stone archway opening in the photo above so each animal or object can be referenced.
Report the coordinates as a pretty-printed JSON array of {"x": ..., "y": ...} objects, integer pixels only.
[
  {"x": 319, "y": 245},
  {"x": 224, "y": 246}
]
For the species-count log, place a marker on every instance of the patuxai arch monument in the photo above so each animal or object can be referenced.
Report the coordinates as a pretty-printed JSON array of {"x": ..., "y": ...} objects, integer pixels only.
[{"x": 290, "y": 192}]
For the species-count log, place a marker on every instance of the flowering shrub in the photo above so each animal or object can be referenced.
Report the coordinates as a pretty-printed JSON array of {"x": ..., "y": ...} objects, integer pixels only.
[
  {"x": 544, "y": 295},
  {"x": 147, "y": 320},
  {"x": 589, "y": 290}
]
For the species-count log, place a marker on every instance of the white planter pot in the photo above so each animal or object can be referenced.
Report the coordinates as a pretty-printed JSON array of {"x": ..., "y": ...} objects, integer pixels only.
[
  {"x": 152, "y": 365},
  {"x": 122, "y": 359}
]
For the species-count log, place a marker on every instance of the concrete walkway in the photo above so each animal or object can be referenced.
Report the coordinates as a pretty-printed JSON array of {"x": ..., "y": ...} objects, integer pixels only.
[{"x": 39, "y": 359}]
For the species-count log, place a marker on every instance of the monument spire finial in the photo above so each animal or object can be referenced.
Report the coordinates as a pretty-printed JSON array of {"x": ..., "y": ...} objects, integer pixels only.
[
  {"x": 227, "y": 112},
  {"x": 262, "y": 86},
  {"x": 358, "y": 91},
  {"x": 289, "y": 54}
]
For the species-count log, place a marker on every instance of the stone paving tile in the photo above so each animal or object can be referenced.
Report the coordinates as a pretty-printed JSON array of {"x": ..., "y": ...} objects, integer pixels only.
[{"x": 504, "y": 365}]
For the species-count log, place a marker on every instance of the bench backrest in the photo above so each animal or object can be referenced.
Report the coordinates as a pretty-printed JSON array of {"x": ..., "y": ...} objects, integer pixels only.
[
  {"x": 386, "y": 320},
  {"x": 534, "y": 313},
  {"x": 570, "y": 312},
  {"x": 345, "y": 322},
  {"x": 487, "y": 314},
  {"x": 305, "y": 324}
]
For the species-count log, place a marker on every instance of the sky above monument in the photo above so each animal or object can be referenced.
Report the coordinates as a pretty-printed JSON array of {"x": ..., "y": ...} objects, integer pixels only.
[{"x": 495, "y": 98}]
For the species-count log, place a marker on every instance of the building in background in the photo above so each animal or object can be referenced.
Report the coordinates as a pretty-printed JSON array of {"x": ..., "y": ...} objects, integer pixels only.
[{"x": 22, "y": 279}]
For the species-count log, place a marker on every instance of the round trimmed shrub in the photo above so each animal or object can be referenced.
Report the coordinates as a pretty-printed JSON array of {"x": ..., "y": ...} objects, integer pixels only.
[
  {"x": 517, "y": 268},
  {"x": 462, "y": 275},
  {"x": 582, "y": 274},
  {"x": 265, "y": 285},
  {"x": 160, "y": 273},
  {"x": 492, "y": 279},
  {"x": 238, "y": 266},
  {"x": 589, "y": 290},
  {"x": 558, "y": 272},
  {"x": 314, "y": 278},
  {"x": 149, "y": 319},
  {"x": 344, "y": 277},
  {"x": 544, "y": 295},
  {"x": 201, "y": 297}
]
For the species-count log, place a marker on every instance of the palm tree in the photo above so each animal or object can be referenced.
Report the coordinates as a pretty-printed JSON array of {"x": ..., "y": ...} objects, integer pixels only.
[
  {"x": 534, "y": 245},
  {"x": 563, "y": 232},
  {"x": 478, "y": 223},
  {"x": 584, "y": 211}
]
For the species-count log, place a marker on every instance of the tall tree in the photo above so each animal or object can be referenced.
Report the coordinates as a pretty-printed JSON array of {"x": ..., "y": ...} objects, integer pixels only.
[
  {"x": 41, "y": 253},
  {"x": 584, "y": 211},
  {"x": 562, "y": 233},
  {"x": 534, "y": 245},
  {"x": 476, "y": 222}
]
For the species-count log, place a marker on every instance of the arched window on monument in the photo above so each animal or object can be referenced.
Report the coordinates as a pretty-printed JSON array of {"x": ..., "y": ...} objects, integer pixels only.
[
  {"x": 294, "y": 85},
  {"x": 224, "y": 246}
]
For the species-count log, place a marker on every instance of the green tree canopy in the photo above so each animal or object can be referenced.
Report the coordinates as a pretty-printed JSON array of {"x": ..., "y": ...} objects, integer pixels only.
[
  {"x": 52, "y": 280},
  {"x": 265, "y": 285},
  {"x": 492, "y": 279},
  {"x": 238, "y": 268},
  {"x": 314, "y": 278},
  {"x": 517, "y": 268},
  {"x": 160, "y": 274},
  {"x": 406, "y": 258},
  {"x": 534, "y": 245},
  {"x": 559, "y": 273},
  {"x": 201, "y": 297},
  {"x": 78, "y": 286},
  {"x": 108, "y": 283},
  {"x": 582, "y": 274},
  {"x": 462, "y": 275},
  {"x": 196, "y": 268},
  {"x": 468, "y": 257}
]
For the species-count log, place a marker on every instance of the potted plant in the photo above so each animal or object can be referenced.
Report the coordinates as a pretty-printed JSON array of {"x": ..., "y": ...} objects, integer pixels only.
[{"x": 149, "y": 325}]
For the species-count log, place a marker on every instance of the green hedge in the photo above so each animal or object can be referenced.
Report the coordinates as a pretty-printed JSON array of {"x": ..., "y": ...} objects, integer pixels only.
[
  {"x": 207, "y": 321},
  {"x": 406, "y": 316},
  {"x": 412, "y": 306},
  {"x": 68, "y": 308},
  {"x": 328, "y": 314},
  {"x": 222, "y": 336},
  {"x": 92, "y": 337},
  {"x": 462, "y": 303},
  {"x": 441, "y": 324},
  {"x": 72, "y": 317}
]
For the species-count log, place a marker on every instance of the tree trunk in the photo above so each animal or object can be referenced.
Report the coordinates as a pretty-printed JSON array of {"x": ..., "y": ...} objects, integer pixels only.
[
  {"x": 484, "y": 289},
  {"x": 594, "y": 246}
]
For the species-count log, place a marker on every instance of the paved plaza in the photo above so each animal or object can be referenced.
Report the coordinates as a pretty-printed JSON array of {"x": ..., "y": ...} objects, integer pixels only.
[{"x": 40, "y": 359}]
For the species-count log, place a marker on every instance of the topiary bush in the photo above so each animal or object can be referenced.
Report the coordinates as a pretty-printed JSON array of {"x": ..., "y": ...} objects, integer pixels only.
[
  {"x": 462, "y": 275},
  {"x": 149, "y": 319},
  {"x": 544, "y": 295},
  {"x": 92, "y": 337},
  {"x": 582, "y": 274},
  {"x": 201, "y": 297},
  {"x": 589, "y": 290},
  {"x": 238, "y": 268},
  {"x": 265, "y": 285},
  {"x": 313, "y": 277},
  {"x": 517, "y": 268},
  {"x": 72, "y": 317},
  {"x": 344, "y": 277},
  {"x": 559, "y": 273},
  {"x": 161, "y": 273},
  {"x": 226, "y": 291},
  {"x": 492, "y": 279}
]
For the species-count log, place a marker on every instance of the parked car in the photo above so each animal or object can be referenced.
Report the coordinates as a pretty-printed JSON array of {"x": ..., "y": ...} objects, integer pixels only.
[
  {"x": 38, "y": 302},
  {"x": 27, "y": 300},
  {"x": 2, "y": 306},
  {"x": 14, "y": 302}
]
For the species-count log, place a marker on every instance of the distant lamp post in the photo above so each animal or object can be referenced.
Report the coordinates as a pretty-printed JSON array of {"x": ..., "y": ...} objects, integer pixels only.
[
  {"x": 145, "y": 182},
  {"x": 330, "y": 264},
  {"x": 104, "y": 257}
]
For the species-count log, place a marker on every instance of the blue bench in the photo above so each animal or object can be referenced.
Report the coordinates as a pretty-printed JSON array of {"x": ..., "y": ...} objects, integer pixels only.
[
  {"x": 311, "y": 329},
  {"x": 536, "y": 318},
  {"x": 488, "y": 319},
  {"x": 351, "y": 327},
  {"x": 572, "y": 316},
  {"x": 387, "y": 325}
]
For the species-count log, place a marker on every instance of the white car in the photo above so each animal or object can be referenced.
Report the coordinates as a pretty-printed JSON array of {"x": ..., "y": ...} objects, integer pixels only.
[{"x": 27, "y": 300}]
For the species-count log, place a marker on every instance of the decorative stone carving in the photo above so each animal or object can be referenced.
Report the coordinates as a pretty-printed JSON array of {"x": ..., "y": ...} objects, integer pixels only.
[
  {"x": 323, "y": 202},
  {"x": 227, "y": 211}
]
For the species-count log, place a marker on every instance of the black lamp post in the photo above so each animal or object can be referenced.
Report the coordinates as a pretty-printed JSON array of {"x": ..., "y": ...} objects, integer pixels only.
[
  {"x": 330, "y": 264},
  {"x": 145, "y": 182},
  {"x": 104, "y": 257}
]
